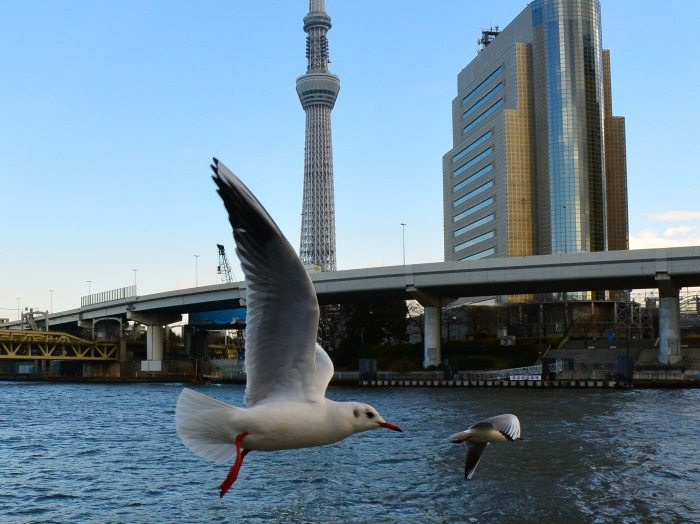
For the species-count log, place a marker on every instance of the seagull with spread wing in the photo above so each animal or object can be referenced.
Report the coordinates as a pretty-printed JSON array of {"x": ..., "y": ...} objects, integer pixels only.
[
  {"x": 287, "y": 372},
  {"x": 501, "y": 428}
]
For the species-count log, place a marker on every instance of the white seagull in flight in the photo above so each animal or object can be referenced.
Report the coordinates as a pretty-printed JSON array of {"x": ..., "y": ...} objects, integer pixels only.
[
  {"x": 287, "y": 372},
  {"x": 501, "y": 428}
]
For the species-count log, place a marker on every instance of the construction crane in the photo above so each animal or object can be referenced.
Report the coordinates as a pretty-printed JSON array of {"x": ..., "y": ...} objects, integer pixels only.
[
  {"x": 224, "y": 268},
  {"x": 227, "y": 276}
]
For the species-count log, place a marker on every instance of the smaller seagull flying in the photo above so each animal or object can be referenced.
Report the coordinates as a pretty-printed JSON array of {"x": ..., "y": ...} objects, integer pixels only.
[{"x": 501, "y": 428}]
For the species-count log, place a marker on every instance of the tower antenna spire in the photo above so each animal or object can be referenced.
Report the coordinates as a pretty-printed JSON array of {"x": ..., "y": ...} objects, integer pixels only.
[
  {"x": 318, "y": 90},
  {"x": 317, "y": 5}
]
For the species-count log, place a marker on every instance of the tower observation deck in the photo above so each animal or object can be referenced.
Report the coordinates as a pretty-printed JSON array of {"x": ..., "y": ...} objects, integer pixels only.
[{"x": 317, "y": 91}]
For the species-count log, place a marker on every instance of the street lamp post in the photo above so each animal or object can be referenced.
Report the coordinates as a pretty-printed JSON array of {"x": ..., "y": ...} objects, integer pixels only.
[
  {"x": 51, "y": 291},
  {"x": 196, "y": 271},
  {"x": 89, "y": 282},
  {"x": 566, "y": 248},
  {"x": 18, "y": 313},
  {"x": 134, "y": 270},
  {"x": 628, "y": 374},
  {"x": 403, "y": 236}
]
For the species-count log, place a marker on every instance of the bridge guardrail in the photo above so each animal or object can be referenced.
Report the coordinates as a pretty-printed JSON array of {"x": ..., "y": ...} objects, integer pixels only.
[{"x": 108, "y": 296}]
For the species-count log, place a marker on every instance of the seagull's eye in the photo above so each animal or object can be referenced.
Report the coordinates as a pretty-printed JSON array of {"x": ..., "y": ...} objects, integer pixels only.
[{"x": 370, "y": 414}]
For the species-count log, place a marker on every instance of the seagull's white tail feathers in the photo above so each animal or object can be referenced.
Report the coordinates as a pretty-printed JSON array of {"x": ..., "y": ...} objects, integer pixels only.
[{"x": 206, "y": 426}]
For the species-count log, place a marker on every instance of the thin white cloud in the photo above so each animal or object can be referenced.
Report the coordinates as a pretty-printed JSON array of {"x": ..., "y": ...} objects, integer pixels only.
[
  {"x": 679, "y": 215},
  {"x": 650, "y": 238},
  {"x": 680, "y": 231}
]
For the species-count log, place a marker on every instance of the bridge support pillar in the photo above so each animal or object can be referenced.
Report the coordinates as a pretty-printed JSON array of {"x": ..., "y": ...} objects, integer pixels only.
[
  {"x": 431, "y": 340},
  {"x": 154, "y": 343},
  {"x": 432, "y": 327},
  {"x": 154, "y": 337},
  {"x": 669, "y": 320}
]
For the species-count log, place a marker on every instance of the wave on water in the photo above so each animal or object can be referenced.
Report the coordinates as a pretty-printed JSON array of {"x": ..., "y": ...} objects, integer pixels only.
[{"x": 75, "y": 453}]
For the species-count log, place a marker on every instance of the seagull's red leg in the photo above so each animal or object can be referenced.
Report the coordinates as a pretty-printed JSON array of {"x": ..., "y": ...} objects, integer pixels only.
[{"x": 233, "y": 472}]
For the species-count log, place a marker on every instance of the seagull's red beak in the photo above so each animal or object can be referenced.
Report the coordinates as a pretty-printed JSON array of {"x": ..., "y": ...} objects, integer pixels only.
[{"x": 389, "y": 425}]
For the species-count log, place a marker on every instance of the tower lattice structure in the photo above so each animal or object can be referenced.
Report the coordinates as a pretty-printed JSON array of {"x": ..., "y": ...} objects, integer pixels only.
[{"x": 317, "y": 91}]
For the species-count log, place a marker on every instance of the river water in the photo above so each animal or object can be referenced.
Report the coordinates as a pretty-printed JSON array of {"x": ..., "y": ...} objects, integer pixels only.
[{"x": 110, "y": 454}]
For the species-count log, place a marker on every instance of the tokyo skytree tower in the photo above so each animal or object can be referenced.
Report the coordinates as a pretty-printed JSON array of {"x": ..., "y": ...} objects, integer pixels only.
[{"x": 317, "y": 91}]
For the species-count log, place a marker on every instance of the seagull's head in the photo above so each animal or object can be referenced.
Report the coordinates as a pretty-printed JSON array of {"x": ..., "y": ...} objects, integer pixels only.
[{"x": 365, "y": 417}]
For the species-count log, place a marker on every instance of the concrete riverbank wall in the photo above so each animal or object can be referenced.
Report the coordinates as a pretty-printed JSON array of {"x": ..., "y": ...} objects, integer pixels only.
[
  {"x": 600, "y": 371},
  {"x": 648, "y": 380}
]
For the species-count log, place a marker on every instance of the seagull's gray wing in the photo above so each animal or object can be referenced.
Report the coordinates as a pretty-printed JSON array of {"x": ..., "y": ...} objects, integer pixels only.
[
  {"x": 282, "y": 317},
  {"x": 474, "y": 452},
  {"x": 507, "y": 425},
  {"x": 324, "y": 369}
]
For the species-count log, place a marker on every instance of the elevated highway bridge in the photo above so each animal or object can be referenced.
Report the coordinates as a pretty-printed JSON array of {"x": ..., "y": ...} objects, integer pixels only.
[{"x": 435, "y": 285}]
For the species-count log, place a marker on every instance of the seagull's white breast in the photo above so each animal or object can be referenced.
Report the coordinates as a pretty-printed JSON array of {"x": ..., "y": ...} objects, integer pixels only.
[{"x": 284, "y": 424}]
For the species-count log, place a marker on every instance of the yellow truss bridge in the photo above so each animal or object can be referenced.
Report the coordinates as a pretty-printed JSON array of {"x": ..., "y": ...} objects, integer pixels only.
[{"x": 49, "y": 345}]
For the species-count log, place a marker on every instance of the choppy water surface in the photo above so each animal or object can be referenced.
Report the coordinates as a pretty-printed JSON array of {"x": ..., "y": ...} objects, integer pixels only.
[{"x": 106, "y": 453}]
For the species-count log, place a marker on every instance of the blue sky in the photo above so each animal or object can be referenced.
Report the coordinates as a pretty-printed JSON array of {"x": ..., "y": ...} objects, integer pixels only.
[{"x": 111, "y": 112}]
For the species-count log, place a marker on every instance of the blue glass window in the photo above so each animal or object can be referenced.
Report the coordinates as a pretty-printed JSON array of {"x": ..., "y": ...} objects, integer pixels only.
[
  {"x": 488, "y": 96},
  {"x": 481, "y": 254},
  {"x": 471, "y": 179},
  {"x": 471, "y": 194},
  {"x": 483, "y": 84},
  {"x": 471, "y": 147},
  {"x": 473, "y": 241},
  {"x": 482, "y": 116},
  {"x": 473, "y": 209},
  {"x": 473, "y": 161},
  {"x": 537, "y": 16},
  {"x": 474, "y": 225}
]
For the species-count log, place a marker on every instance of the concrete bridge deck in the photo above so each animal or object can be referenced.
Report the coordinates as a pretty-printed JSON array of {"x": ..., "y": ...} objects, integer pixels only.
[{"x": 633, "y": 269}]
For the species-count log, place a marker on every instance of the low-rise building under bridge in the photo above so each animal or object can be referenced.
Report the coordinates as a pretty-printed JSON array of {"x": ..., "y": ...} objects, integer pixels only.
[{"x": 434, "y": 285}]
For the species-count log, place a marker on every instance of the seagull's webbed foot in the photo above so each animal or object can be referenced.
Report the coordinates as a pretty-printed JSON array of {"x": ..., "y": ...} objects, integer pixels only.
[{"x": 233, "y": 472}]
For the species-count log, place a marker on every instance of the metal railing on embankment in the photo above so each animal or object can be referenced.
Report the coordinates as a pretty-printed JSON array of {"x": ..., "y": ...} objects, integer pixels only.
[{"x": 502, "y": 374}]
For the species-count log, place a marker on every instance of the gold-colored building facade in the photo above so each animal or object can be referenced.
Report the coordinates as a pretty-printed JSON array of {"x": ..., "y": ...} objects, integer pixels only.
[
  {"x": 520, "y": 189},
  {"x": 615, "y": 168}
]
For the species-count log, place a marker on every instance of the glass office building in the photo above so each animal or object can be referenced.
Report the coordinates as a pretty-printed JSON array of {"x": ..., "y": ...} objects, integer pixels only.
[{"x": 538, "y": 164}]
